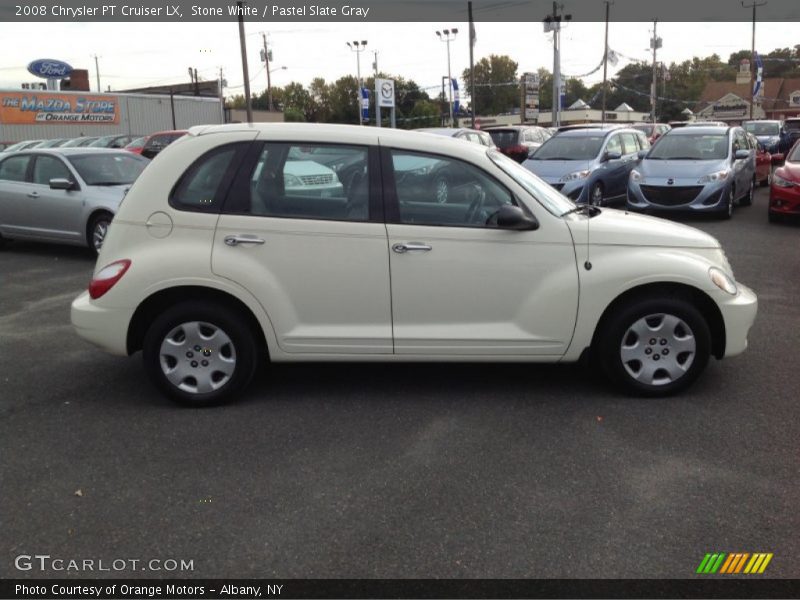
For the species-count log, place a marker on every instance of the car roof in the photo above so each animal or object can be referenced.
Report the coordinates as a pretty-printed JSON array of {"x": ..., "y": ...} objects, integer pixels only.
[
  {"x": 171, "y": 132},
  {"x": 443, "y": 130},
  {"x": 699, "y": 130},
  {"x": 73, "y": 151},
  {"x": 514, "y": 127},
  {"x": 589, "y": 131},
  {"x": 343, "y": 134}
]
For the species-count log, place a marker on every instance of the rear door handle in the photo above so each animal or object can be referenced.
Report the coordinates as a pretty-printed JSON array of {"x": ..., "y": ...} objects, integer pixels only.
[
  {"x": 33, "y": 195},
  {"x": 411, "y": 247},
  {"x": 235, "y": 240}
]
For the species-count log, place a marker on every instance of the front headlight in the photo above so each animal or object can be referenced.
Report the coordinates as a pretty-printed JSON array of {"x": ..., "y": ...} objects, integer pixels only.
[
  {"x": 718, "y": 176},
  {"x": 291, "y": 180},
  {"x": 574, "y": 176},
  {"x": 723, "y": 281},
  {"x": 637, "y": 177},
  {"x": 779, "y": 181}
]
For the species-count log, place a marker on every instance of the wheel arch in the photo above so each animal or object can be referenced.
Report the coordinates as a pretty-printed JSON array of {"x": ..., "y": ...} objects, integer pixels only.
[
  {"x": 702, "y": 301},
  {"x": 159, "y": 301}
]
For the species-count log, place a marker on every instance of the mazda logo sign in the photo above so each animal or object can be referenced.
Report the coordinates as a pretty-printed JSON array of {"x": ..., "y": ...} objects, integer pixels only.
[{"x": 670, "y": 181}]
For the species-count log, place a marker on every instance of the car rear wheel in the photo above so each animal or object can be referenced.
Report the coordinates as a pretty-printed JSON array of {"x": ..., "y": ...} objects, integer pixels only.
[
  {"x": 441, "y": 189},
  {"x": 654, "y": 346},
  {"x": 97, "y": 231},
  {"x": 200, "y": 354}
]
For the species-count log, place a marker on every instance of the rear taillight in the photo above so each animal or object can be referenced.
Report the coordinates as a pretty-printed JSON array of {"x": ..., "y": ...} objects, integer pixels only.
[{"x": 107, "y": 277}]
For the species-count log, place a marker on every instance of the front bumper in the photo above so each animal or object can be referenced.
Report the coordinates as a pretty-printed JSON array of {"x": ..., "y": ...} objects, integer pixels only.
[
  {"x": 784, "y": 201},
  {"x": 104, "y": 327},
  {"x": 679, "y": 197},
  {"x": 739, "y": 313}
]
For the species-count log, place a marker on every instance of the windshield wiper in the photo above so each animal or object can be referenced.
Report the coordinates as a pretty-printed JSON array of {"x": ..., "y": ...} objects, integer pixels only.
[
  {"x": 589, "y": 209},
  {"x": 556, "y": 158},
  {"x": 109, "y": 183},
  {"x": 682, "y": 158}
]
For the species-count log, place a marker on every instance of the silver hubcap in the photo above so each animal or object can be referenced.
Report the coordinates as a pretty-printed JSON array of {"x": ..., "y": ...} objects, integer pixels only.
[
  {"x": 99, "y": 234},
  {"x": 197, "y": 357},
  {"x": 442, "y": 191},
  {"x": 597, "y": 195},
  {"x": 658, "y": 349}
]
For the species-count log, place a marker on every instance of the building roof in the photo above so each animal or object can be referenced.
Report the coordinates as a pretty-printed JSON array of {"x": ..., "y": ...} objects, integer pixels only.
[{"x": 776, "y": 92}]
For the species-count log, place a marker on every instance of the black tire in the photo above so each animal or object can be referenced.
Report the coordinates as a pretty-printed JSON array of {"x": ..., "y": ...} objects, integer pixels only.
[
  {"x": 596, "y": 194},
  {"x": 748, "y": 199},
  {"x": 773, "y": 218},
  {"x": 99, "y": 223},
  {"x": 614, "y": 338},
  {"x": 727, "y": 212},
  {"x": 243, "y": 348}
]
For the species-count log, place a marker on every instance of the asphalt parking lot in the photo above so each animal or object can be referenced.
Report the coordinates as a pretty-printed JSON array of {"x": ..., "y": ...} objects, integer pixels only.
[{"x": 399, "y": 470}]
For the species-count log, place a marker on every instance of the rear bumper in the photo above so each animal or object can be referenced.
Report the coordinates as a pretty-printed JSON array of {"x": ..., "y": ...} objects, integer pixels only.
[{"x": 103, "y": 327}]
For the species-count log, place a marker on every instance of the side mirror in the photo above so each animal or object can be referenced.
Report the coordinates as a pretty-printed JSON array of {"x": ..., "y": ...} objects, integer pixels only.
[
  {"x": 612, "y": 156},
  {"x": 61, "y": 184},
  {"x": 741, "y": 154},
  {"x": 513, "y": 217},
  {"x": 642, "y": 153}
]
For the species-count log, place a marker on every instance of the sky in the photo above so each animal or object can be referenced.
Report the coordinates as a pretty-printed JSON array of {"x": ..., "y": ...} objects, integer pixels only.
[{"x": 139, "y": 54}]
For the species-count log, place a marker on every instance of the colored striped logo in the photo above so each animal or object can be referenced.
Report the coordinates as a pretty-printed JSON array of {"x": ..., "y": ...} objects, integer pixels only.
[{"x": 734, "y": 563}]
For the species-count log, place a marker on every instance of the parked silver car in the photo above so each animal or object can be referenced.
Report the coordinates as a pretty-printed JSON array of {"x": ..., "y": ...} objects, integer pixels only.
[{"x": 66, "y": 195}]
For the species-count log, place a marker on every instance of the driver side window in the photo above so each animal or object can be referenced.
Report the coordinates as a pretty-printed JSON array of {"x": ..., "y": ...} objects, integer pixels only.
[{"x": 437, "y": 190}]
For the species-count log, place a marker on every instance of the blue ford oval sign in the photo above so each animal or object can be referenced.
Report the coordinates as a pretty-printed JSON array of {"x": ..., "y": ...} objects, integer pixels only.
[{"x": 49, "y": 68}]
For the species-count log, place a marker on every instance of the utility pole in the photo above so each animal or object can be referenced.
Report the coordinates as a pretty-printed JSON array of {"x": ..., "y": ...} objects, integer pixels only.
[
  {"x": 267, "y": 57},
  {"x": 375, "y": 62},
  {"x": 97, "y": 71},
  {"x": 220, "y": 86},
  {"x": 553, "y": 23},
  {"x": 471, "y": 62},
  {"x": 245, "y": 71},
  {"x": 605, "y": 62},
  {"x": 753, "y": 52},
  {"x": 655, "y": 44}
]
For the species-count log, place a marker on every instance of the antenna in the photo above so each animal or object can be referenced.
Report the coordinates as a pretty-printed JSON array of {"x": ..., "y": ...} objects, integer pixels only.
[{"x": 588, "y": 264}]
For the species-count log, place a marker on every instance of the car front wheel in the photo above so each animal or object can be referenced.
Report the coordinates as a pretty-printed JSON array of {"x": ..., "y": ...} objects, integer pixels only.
[
  {"x": 654, "y": 346},
  {"x": 200, "y": 354},
  {"x": 97, "y": 231}
]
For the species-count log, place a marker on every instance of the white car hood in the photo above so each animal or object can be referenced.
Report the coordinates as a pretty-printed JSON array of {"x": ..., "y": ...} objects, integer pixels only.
[{"x": 621, "y": 228}]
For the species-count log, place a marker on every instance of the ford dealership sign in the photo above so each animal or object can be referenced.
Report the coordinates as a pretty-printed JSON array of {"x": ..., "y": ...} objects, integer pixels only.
[{"x": 49, "y": 69}]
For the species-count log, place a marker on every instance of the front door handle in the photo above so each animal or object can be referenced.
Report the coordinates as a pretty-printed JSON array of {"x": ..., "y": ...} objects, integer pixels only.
[
  {"x": 235, "y": 240},
  {"x": 33, "y": 195},
  {"x": 411, "y": 247}
]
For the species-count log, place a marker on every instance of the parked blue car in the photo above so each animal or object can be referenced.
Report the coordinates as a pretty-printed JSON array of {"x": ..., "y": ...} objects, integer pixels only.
[
  {"x": 767, "y": 132},
  {"x": 589, "y": 165},
  {"x": 697, "y": 169}
]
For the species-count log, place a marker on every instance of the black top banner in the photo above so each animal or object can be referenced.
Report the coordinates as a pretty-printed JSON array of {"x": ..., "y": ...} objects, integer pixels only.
[{"x": 390, "y": 10}]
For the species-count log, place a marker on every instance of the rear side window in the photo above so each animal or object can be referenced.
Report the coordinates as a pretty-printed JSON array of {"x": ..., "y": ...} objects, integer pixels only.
[
  {"x": 325, "y": 182},
  {"x": 14, "y": 168},
  {"x": 629, "y": 143},
  {"x": 204, "y": 183},
  {"x": 48, "y": 167}
]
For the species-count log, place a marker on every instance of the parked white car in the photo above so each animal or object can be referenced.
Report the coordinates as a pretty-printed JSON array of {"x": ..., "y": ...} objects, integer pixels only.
[{"x": 210, "y": 270}]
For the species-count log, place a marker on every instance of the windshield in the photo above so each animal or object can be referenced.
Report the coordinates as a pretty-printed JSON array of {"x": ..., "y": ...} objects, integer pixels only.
[
  {"x": 699, "y": 146},
  {"x": 561, "y": 147},
  {"x": 503, "y": 138},
  {"x": 108, "y": 168},
  {"x": 546, "y": 195},
  {"x": 759, "y": 128},
  {"x": 646, "y": 129}
]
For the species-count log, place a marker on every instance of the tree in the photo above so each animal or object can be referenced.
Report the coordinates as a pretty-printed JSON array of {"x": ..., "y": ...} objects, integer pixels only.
[{"x": 496, "y": 85}]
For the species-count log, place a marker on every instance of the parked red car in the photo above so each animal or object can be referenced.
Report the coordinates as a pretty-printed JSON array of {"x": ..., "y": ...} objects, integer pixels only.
[
  {"x": 763, "y": 161},
  {"x": 518, "y": 141},
  {"x": 784, "y": 193},
  {"x": 160, "y": 140},
  {"x": 136, "y": 145}
]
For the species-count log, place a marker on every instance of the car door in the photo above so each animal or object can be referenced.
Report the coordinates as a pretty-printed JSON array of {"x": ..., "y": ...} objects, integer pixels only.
[
  {"x": 462, "y": 287},
  {"x": 55, "y": 214},
  {"x": 613, "y": 172},
  {"x": 14, "y": 190},
  {"x": 310, "y": 248}
]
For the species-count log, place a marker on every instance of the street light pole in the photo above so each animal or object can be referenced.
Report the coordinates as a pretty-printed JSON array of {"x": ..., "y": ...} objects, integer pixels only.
[
  {"x": 753, "y": 52},
  {"x": 97, "y": 71},
  {"x": 605, "y": 62},
  {"x": 358, "y": 48},
  {"x": 447, "y": 39}
]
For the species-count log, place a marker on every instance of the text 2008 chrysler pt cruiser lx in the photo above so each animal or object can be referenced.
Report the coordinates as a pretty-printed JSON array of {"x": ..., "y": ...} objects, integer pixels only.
[{"x": 326, "y": 242}]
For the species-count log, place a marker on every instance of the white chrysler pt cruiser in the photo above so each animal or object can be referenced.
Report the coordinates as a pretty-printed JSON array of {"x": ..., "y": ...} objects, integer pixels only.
[{"x": 283, "y": 242}]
